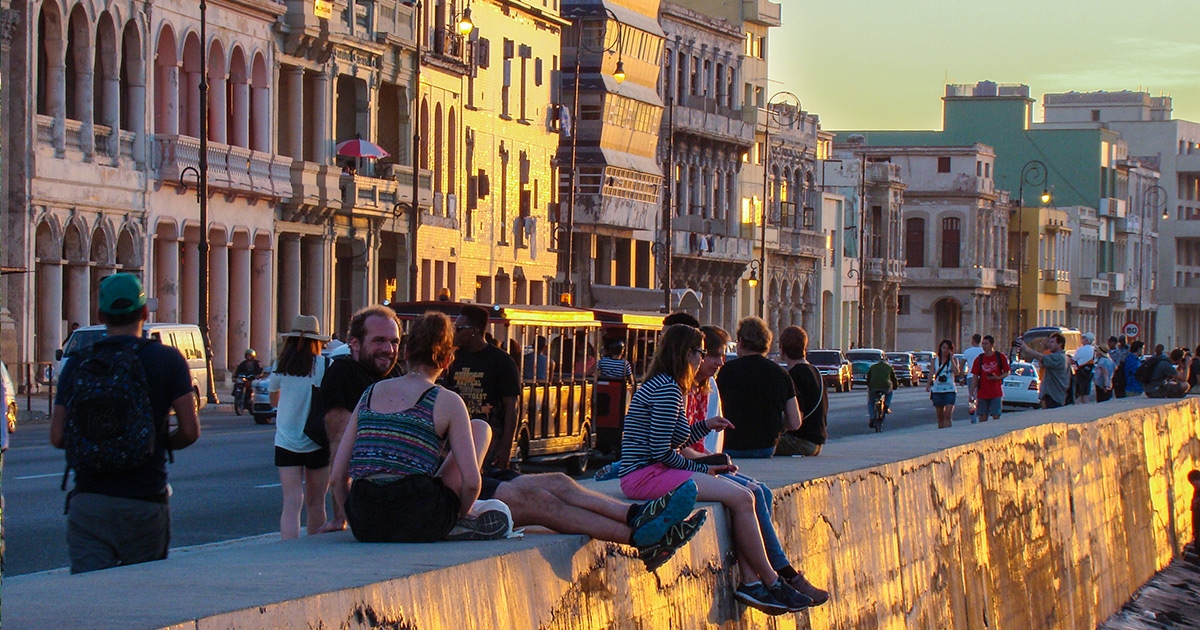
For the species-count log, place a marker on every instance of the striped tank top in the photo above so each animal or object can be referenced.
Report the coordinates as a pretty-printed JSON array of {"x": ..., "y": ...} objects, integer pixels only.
[{"x": 401, "y": 443}]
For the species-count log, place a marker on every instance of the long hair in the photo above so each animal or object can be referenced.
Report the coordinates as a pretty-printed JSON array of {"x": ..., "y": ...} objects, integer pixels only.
[
  {"x": 296, "y": 356},
  {"x": 949, "y": 354},
  {"x": 430, "y": 341},
  {"x": 715, "y": 339},
  {"x": 671, "y": 355}
]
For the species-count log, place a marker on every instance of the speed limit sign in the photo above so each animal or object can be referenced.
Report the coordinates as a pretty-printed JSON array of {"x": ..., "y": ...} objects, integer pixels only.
[{"x": 1131, "y": 330}]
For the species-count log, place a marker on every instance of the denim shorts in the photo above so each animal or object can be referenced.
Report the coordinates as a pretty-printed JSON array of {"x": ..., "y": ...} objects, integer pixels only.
[
  {"x": 988, "y": 407},
  {"x": 943, "y": 399}
]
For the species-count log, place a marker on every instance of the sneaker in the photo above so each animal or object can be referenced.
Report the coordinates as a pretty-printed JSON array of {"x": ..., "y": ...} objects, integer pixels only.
[
  {"x": 794, "y": 600},
  {"x": 804, "y": 587},
  {"x": 490, "y": 525},
  {"x": 759, "y": 598},
  {"x": 653, "y": 519},
  {"x": 657, "y": 554}
]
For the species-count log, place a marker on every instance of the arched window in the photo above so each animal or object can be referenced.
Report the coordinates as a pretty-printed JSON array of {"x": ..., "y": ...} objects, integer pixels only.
[
  {"x": 951, "y": 239},
  {"x": 438, "y": 155},
  {"x": 914, "y": 242}
]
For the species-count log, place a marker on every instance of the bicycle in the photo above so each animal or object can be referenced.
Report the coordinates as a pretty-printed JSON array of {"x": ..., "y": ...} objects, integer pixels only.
[{"x": 879, "y": 409}]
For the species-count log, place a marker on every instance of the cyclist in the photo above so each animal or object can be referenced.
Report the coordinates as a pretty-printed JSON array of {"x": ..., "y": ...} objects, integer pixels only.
[{"x": 881, "y": 381}]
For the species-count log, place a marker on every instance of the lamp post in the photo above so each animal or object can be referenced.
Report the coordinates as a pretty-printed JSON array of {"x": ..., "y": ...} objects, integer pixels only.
[
  {"x": 1034, "y": 174},
  {"x": 781, "y": 105},
  {"x": 414, "y": 222},
  {"x": 1154, "y": 198}
]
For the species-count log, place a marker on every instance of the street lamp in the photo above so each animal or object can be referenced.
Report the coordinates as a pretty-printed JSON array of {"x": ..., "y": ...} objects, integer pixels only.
[
  {"x": 465, "y": 25},
  {"x": 781, "y": 106},
  {"x": 414, "y": 222},
  {"x": 1034, "y": 174},
  {"x": 1154, "y": 198},
  {"x": 753, "y": 280}
]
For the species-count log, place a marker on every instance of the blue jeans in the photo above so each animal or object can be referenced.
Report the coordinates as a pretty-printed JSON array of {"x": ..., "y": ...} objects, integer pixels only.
[
  {"x": 871, "y": 397},
  {"x": 757, "y": 453},
  {"x": 764, "y": 503}
]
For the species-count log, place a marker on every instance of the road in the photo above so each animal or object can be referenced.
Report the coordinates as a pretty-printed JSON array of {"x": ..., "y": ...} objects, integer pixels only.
[{"x": 226, "y": 485}]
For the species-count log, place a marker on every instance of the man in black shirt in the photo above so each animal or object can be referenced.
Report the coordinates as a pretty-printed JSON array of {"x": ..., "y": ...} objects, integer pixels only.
[
  {"x": 251, "y": 366},
  {"x": 487, "y": 380},
  {"x": 757, "y": 395},
  {"x": 810, "y": 392},
  {"x": 374, "y": 340}
]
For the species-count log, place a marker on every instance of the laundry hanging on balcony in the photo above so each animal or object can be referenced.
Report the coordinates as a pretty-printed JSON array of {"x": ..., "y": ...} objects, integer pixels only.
[{"x": 359, "y": 148}]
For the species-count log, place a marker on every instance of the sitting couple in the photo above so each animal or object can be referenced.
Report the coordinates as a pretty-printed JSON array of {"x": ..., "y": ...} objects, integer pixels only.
[{"x": 396, "y": 486}]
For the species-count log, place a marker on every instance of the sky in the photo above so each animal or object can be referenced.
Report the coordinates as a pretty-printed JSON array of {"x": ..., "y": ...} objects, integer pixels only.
[{"x": 883, "y": 64}]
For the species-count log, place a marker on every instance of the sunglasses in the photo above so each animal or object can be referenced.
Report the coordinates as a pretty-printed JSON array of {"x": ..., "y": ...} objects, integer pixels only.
[
  {"x": 703, "y": 353},
  {"x": 464, "y": 328}
]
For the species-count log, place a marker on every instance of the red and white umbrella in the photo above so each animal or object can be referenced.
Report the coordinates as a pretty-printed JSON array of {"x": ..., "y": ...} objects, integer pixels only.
[{"x": 359, "y": 148}]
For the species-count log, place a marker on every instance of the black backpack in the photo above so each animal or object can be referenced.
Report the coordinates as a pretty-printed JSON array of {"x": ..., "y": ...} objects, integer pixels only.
[
  {"x": 1144, "y": 373},
  {"x": 110, "y": 425}
]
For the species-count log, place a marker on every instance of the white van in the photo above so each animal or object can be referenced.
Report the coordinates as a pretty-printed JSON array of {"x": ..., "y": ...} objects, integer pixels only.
[{"x": 183, "y": 337}]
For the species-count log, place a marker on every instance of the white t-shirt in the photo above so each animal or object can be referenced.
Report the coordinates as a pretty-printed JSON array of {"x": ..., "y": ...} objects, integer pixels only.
[
  {"x": 969, "y": 356},
  {"x": 939, "y": 387},
  {"x": 295, "y": 394},
  {"x": 1085, "y": 354}
]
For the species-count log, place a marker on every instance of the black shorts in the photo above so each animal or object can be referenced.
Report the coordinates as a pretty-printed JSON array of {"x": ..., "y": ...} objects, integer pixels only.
[
  {"x": 412, "y": 509},
  {"x": 311, "y": 460}
]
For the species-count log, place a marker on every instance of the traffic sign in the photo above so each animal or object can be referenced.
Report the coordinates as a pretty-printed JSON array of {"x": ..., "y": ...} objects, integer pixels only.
[{"x": 1131, "y": 330}]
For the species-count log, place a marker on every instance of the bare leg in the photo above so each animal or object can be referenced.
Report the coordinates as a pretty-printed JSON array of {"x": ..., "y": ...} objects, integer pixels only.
[
  {"x": 292, "y": 480},
  {"x": 481, "y": 432},
  {"x": 533, "y": 505},
  {"x": 316, "y": 483},
  {"x": 747, "y": 539},
  {"x": 571, "y": 493}
]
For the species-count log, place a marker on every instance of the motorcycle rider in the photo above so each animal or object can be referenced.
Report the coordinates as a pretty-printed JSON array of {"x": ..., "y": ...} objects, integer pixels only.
[{"x": 248, "y": 370}]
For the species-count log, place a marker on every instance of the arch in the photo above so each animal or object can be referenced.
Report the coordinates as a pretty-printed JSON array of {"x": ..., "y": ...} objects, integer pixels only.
[
  {"x": 237, "y": 122},
  {"x": 101, "y": 250},
  {"x": 74, "y": 244},
  {"x": 166, "y": 72},
  {"x": 947, "y": 321},
  {"x": 260, "y": 105},
  {"x": 47, "y": 240},
  {"x": 50, "y": 48},
  {"x": 132, "y": 77},
  {"x": 129, "y": 251},
  {"x": 106, "y": 97},
  {"x": 452, "y": 152},
  {"x": 78, "y": 69},
  {"x": 424, "y": 134},
  {"x": 218, "y": 93},
  {"x": 189, "y": 87},
  {"x": 438, "y": 155}
]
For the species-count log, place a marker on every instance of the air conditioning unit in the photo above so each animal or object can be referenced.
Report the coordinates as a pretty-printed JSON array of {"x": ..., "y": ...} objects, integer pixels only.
[
  {"x": 437, "y": 203},
  {"x": 452, "y": 205}
]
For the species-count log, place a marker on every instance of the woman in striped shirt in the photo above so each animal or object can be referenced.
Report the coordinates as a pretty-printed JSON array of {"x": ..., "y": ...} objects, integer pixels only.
[{"x": 656, "y": 427}]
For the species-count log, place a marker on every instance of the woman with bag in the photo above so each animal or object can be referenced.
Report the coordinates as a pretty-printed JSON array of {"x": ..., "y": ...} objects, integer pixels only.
[
  {"x": 303, "y": 464},
  {"x": 944, "y": 374}
]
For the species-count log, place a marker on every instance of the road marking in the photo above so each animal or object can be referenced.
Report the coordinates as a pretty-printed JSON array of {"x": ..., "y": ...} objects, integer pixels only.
[
  {"x": 40, "y": 476},
  {"x": 265, "y": 485}
]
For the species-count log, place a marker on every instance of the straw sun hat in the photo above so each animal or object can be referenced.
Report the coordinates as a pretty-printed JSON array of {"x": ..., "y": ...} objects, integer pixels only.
[{"x": 308, "y": 327}]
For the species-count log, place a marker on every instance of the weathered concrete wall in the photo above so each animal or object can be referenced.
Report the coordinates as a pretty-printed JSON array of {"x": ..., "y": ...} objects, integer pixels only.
[{"x": 1028, "y": 526}]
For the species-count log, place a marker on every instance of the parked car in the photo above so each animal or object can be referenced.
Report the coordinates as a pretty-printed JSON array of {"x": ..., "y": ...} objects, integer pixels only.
[
  {"x": 835, "y": 369},
  {"x": 10, "y": 400},
  {"x": 861, "y": 360},
  {"x": 924, "y": 361},
  {"x": 906, "y": 368},
  {"x": 1020, "y": 388}
]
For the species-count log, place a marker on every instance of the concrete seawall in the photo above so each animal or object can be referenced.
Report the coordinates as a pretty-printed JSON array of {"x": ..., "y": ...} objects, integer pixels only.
[{"x": 1008, "y": 524}]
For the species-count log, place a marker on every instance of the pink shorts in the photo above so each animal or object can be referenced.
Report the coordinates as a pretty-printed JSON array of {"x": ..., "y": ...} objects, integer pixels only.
[{"x": 653, "y": 481}]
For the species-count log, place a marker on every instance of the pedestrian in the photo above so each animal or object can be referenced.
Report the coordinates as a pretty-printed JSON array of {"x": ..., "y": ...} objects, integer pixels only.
[
  {"x": 757, "y": 395},
  {"x": 303, "y": 464},
  {"x": 407, "y": 467},
  {"x": 1117, "y": 351},
  {"x": 118, "y": 511},
  {"x": 1056, "y": 375},
  {"x": 810, "y": 395},
  {"x": 1084, "y": 361},
  {"x": 990, "y": 370},
  {"x": 374, "y": 342},
  {"x": 487, "y": 380},
  {"x": 1132, "y": 362},
  {"x": 944, "y": 374},
  {"x": 1170, "y": 376},
  {"x": 881, "y": 382},
  {"x": 1194, "y": 370},
  {"x": 656, "y": 427},
  {"x": 1103, "y": 375},
  {"x": 969, "y": 356}
]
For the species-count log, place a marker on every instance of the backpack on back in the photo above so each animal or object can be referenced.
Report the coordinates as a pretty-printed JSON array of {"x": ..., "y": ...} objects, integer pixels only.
[
  {"x": 1146, "y": 370},
  {"x": 110, "y": 425}
]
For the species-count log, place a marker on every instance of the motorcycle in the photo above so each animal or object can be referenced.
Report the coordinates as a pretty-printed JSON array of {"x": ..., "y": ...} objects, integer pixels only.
[{"x": 243, "y": 393}]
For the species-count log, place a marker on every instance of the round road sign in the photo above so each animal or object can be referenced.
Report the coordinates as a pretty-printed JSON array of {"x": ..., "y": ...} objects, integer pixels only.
[{"x": 1131, "y": 330}]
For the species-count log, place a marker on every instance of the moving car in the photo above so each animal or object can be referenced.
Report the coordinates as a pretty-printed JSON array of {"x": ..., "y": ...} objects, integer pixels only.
[
  {"x": 924, "y": 361},
  {"x": 861, "y": 360},
  {"x": 906, "y": 368},
  {"x": 835, "y": 369},
  {"x": 1021, "y": 386}
]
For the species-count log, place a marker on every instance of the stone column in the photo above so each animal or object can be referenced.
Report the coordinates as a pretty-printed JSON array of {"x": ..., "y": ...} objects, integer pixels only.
[
  {"x": 218, "y": 113},
  {"x": 320, "y": 119},
  {"x": 218, "y": 305},
  {"x": 84, "y": 100},
  {"x": 289, "y": 279},
  {"x": 56, "y": 87},
  {"x": 239, "y": 302},
  {"x": 239, "y": 135},
  {"x": 316, "y": 296},
  {"x": 135, "y": 106},
  {"x": 49, "y": 309},
  {"x": 77, "y": 291},
  {"x": 191, "y": 126},
  {"x": 188, "y": 283},
  {"x": 294, "y": 115},
  {"x": 110, "y": 114},
  {"x": 261, "y": 292},
  {"x": 169, "y": 116},
  {"x": 166, "y": 278},
  {"x": 260, "y": 109}
]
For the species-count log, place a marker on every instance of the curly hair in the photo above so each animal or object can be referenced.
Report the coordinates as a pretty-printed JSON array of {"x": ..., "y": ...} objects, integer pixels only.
[
  {"x": 430, "y": 341},
  {"x": 753, "y": 334},
  {"x": 671, "y": 355}
]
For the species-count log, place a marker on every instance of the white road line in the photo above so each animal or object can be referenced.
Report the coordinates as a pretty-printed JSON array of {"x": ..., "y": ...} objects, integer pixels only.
[
  {"x": 270, "y": 485},
  {"x": 39, "y": 476}
]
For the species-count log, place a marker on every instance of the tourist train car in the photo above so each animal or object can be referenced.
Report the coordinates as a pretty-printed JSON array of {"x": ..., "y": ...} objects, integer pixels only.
[
  {"x": 638, "y": 331},
  {"x": 554, "y": 414}
]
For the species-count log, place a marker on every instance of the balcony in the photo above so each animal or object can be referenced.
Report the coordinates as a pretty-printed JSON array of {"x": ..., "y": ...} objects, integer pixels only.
[
  {"x": 973, "y": 184},
  {"x": 1094, "y": 287},
  {"x": 699, "y": 224},
  {"x": 802, "y": 243},
  {"x": 377, "y": 193},
  {"x": 960, "y": 277},
  {"x": 448, "y": 51},
  {"x": 711, "y": 246},
  {"x": 884, "y": 269},
  {"x": 883, "y": 173},
  {"x": 1189, "y": 163},
  {"x": 762, "y": 12},
  {"x": 712, "y": 121},
  {"x": 232, "y": 170},
  {"x": 1056, "y": 281},
  {"x": 1112, "y": 208}
]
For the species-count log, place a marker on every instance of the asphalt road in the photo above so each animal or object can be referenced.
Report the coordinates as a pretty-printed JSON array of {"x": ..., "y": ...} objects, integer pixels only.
[{"x": 226, "y": 485}]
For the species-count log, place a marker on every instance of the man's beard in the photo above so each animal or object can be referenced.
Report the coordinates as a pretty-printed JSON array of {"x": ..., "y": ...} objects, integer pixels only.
[{"x": 372, "y": 366}]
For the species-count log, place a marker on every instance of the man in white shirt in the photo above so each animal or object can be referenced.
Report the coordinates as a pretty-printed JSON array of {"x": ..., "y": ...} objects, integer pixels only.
[
  {"x": 969, "y": 356},
  {"x": 1085, "y": 366}
]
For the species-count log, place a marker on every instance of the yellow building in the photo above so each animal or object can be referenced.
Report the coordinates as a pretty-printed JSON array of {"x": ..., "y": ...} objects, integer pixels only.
[
  {"x": 1039, "y": 242},
  {"x": 486, "y": 137}
]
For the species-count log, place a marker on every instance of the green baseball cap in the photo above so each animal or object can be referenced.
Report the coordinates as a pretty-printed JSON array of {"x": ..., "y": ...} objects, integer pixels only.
[{"x": 121, "y": 293}]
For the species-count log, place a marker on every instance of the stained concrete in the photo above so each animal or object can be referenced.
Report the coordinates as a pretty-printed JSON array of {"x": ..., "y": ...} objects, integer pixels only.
[{"x": 1047, "y": 519}]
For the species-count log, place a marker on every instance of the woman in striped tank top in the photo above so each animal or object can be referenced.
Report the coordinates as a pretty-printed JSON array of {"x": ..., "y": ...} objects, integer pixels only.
[{"x": 407, "y": 468}]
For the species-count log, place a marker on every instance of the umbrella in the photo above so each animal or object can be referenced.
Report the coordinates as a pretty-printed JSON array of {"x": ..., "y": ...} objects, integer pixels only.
[{"x": 359, "y": 148}]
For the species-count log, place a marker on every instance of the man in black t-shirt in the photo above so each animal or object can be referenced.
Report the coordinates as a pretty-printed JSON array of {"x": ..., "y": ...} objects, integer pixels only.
[
  {"x": 122, "y": 517},
  {"x": 486, "y": 378},
  {"x": 757, "y": 395},
  {"x": 810, "y": 393}
]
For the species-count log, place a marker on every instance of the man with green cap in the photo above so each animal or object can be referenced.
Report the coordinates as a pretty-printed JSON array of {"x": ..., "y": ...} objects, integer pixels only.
[{"x": 111, "y": 415}]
